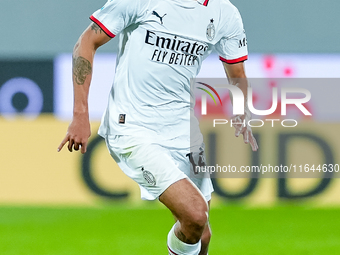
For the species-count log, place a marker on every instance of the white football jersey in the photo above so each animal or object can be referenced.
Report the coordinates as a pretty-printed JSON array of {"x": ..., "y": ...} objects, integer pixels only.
[{"x": 162, "y": 44}]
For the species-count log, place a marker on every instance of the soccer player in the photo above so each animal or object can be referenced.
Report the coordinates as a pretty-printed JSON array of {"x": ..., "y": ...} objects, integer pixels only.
[{"x": 149, "y": 117}]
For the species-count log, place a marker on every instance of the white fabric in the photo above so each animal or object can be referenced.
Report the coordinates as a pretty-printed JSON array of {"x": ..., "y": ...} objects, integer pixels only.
[
  {"x": 166, "y": 164},
  {"x": 177, "y": 247},
  {"x": 162, "y": 46},
  {"x": 234, "y": 44}
]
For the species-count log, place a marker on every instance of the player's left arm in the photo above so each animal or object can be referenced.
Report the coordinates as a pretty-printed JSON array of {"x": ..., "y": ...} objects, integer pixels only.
[
  {"x": 236, "y": 76},
  {"x": 79, "y": 130}
]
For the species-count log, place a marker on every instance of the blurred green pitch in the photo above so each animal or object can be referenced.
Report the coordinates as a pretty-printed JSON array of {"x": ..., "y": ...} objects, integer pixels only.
[{"x": 125, "y": 230}]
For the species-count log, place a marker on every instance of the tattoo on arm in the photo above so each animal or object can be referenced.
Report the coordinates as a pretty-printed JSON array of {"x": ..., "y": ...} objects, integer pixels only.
[
  {"x": 96, "y": 28},
  {"x": 81, "y": 69}
]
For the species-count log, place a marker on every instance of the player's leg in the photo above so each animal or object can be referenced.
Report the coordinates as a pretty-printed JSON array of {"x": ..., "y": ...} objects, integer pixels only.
[
  {"x": 205, "y": 239},
  {"x": 186, "y": 162},
  {"x": 157, "y": 171},
  {"x": 206, "y": 235},
  {"x": 189, "y": 206}
]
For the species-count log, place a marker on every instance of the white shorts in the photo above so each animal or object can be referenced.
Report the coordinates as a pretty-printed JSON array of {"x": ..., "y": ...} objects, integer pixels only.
[{"x": 155, "y": 166}]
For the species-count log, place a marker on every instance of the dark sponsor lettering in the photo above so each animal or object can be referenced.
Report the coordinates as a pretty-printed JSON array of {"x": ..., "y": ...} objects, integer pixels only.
[
  {"x": 178, "y": 44},
  {"x": 148, "y": 36},
  {"x": 168, "y": 40},
  {"x": 193, "y": 48},
  {"x": 155, "y": 53},
  {"x": 177, "y": 58},
  {"x": 173, "y": 43},
  {"x": 187, "y": 52},
  {"x": 181, "y": 59},
  {"x": 186, "y": 47},
  {"x": 200, "y": 47},
  {"x": 242, "y": 43},
  {"x": 159, "y": 56}
]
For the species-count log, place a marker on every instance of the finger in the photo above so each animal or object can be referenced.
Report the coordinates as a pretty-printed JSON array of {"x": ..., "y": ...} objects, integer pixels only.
[
  {"x": 246, "y": 137},
  {"x": 83, "y": 148},
  {"x": 242, "y": 130},
  {"x": 237, "y": 131},
  {"x": 237, "y": 127},
  {"x": 76, "y": 146},
  {"x": 63, "y": 143},
  {"x": 70, "y": 145}
]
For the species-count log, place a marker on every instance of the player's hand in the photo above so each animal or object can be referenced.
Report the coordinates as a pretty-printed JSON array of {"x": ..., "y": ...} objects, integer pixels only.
[
  {"x": 77, "y": 134},
  {"x": 245, "y": 130}
]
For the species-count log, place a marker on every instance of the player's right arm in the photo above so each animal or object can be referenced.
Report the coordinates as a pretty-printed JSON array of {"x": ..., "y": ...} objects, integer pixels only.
[
  {"x": 236, "y": 76},
  {"x": 79, "y": 131},
  {"x": 233, "y": 51}
]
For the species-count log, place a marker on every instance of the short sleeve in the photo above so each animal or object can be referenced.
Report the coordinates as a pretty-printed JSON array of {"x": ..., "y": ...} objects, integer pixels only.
[
  {"x": 116, "y": 15},
  {"x": 232, "y": 48}
]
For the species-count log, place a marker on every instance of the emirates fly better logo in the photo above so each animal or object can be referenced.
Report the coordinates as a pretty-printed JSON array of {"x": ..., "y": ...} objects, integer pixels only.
[{"x": 240, "y": 107}]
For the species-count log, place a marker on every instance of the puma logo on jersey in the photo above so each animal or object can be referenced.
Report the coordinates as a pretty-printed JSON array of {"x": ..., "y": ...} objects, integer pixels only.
[{"x": 158, "y": 16}]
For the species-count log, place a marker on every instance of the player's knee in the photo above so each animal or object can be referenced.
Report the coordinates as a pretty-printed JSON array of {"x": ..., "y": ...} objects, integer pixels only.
[
  {"x": 199, "y": 219},
  {"x": 199, "y": 214},
  {"x": 196, "y": 225}
]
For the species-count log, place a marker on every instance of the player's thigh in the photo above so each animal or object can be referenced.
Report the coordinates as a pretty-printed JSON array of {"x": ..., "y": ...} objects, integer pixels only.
[{"x": 185, "y": 201}]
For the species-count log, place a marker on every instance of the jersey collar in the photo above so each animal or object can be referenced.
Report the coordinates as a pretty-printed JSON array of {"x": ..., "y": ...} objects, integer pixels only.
[
  {"x": 203, "y": 2},
  {"x": 187, "y": 3}
]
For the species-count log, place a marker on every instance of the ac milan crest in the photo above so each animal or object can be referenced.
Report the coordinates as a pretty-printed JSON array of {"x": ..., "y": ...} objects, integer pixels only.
[
  {"x": 149, "y": 177},
  {"x": 211, "y": 30}
]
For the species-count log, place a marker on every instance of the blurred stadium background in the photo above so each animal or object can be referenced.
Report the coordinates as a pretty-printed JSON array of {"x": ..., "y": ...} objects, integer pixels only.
[{"x": 67, "y": 203}]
